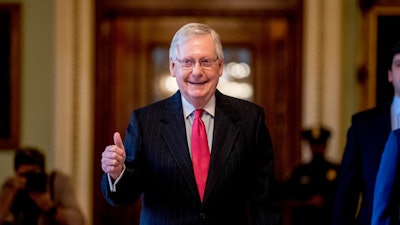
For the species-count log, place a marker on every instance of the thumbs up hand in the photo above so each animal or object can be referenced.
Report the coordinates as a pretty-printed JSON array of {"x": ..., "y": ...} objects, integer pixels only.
[{"x": 113, "y": 157}]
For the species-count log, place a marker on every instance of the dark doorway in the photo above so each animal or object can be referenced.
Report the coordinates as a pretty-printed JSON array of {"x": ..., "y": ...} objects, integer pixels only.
[
  {"x": 388, "y": 35},
  {"x": 127, "y": 33}
]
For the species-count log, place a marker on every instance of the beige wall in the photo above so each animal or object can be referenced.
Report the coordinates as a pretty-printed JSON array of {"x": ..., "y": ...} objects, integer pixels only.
[
  {"x": 56, "y": 89},
  {"x": 351, "y": 61},
  {"x": 37, "y": 81},
  {"x": 330, "y": 61}
]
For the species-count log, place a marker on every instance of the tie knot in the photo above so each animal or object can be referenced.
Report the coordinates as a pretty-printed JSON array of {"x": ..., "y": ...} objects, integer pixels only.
[{"x": 198, "y": 113}]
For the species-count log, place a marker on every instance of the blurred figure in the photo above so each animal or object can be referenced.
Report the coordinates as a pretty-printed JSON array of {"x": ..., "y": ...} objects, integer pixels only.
[
  {"x": 366, "y": 140},
  {"x": 310, "y": 190},
  {"x": 34, "y": 197}
]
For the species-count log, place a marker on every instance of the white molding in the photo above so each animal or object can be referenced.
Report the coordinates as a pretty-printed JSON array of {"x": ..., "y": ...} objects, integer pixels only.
[
  {"x": 322, "y": 70},
  {"x": 74, "y": 96}
]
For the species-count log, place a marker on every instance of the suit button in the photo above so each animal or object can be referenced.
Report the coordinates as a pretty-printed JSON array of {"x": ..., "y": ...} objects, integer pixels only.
[{"x": 202, "y": 219}]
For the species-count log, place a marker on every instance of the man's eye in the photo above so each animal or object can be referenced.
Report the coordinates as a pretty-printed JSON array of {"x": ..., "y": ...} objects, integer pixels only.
[
  {"x": 187, "y": 61},
  {"x": 206, "y": 62}
]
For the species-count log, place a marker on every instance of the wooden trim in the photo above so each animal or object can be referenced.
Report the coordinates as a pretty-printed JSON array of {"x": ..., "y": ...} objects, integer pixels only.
[
  {"x": 9, "y": 136},
  {"x": 197, "y": 8}
]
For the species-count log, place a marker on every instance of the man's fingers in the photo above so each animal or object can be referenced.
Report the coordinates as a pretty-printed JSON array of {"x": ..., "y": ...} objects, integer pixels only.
[
  {"x": 113, "y": 154},
  {"x": 111, "y": 162},
  {"x": 113, "y": 157},
  {"x": 118, "y": 140}
]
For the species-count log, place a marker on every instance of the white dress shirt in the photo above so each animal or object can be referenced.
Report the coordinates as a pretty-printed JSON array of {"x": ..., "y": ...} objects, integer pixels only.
[
  {"x": 395, "y": 111},
  {"x": 207, "y": 117}
]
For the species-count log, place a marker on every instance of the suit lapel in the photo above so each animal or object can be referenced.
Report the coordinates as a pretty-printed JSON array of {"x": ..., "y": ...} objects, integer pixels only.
[
  {"x": 224, "y": 137},
  {"x": 386, "y": 119},
  {"x": 173, "y": 131}
]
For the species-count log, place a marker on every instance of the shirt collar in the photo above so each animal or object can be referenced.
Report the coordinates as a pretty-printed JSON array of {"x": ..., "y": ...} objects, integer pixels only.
[
  {"x": 188, "y": 108},
  {"x": 396, "y": 105}
]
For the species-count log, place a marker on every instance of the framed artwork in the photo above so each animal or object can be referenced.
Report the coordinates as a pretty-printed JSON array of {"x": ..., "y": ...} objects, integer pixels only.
[{"x": 10, "y": 67}]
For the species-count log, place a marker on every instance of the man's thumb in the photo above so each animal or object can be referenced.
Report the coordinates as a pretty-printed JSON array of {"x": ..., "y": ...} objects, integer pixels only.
[{"x": 118, "y": 141}]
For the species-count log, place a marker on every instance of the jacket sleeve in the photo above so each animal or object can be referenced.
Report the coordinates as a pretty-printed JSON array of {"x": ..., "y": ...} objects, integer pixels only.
[
  {"x": 130, "y": 186},
  {"x": 349, "y": 186}
]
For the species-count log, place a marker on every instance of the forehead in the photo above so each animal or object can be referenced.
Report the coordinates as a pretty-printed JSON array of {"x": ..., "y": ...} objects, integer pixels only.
[{"x": 202, "y": 45}]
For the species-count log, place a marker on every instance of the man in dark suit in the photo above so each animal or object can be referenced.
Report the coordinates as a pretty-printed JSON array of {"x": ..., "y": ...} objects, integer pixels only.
[
  {"x": 387, "y": 186},
  {"x": 155, "y": 159},
  {"x": 366, "y": 140}
]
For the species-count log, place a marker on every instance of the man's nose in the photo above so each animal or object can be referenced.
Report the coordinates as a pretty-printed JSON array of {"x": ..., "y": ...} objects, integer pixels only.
[{"x": 197, "y": 67}]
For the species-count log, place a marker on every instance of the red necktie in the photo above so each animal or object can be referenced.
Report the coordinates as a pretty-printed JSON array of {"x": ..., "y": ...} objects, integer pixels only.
[{"x": 200, "y": 152}]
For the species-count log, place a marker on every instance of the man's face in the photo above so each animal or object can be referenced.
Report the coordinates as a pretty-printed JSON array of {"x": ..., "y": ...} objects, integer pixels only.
[
  {"x": 198, "y": 83},
  {"x": 394, "y": 74},
  {"x": 21, "y": 174}
]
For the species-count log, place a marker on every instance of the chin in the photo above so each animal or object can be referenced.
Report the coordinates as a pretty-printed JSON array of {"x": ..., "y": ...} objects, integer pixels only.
[{"x": 198, "y": 93}]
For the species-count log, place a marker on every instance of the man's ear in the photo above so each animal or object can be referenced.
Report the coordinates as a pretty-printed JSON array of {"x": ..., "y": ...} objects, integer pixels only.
[
  {"x": 172, "y": 67},
  {"x": 221, "y": 67},
  {"x": 390, "y": 76}
]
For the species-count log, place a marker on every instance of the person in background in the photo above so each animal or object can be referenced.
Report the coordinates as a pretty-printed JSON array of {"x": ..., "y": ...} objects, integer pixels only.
[
  {"x": 34, "y": 197},
  {"x": 310, "y": 190},
  {"x": 387, "y": 185},
  {"x": 366, "y": 140},
  {"x": 231, "y": 182}
]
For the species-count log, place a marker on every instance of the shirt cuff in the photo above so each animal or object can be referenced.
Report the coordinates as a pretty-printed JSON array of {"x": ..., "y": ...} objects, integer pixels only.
[{"x": 113, "y": 185}]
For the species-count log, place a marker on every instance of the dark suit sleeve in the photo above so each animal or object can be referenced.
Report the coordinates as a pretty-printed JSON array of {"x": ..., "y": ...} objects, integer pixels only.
[
  {"x": 349, "y": 187},
  {"x": 130, "y": 186},
  {"x": 264, "y": 199},
  {"x": 385, "y": 209}
]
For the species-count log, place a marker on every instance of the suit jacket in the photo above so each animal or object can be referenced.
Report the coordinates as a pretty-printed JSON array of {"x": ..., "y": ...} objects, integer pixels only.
[
  {"x": 387, "y": 188},
  {"x": 366, "y": 140},
  {"x": 240, "y": 186}
]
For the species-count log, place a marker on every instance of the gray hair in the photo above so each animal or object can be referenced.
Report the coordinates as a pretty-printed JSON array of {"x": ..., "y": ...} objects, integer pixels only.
[{"x": 191, "y": 30}]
